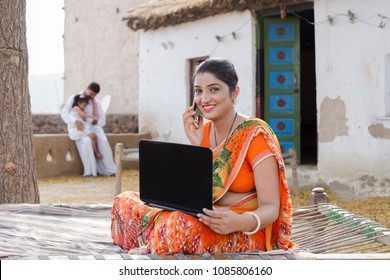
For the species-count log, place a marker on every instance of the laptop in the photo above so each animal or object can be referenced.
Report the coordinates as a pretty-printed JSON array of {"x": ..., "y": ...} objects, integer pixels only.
[{"x": 175, "y": 177}]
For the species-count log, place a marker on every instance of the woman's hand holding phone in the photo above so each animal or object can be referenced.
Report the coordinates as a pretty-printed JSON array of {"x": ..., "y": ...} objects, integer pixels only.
[
  {"x": 193, "y": 125},
  {"x": 197, "y": 115}
]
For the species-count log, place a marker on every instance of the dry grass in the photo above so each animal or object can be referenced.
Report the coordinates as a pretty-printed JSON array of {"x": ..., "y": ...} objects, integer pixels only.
[{"x": 376, "y": 209}]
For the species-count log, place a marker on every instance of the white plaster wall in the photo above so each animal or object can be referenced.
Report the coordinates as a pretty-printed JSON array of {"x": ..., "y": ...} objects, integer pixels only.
[
  {"x": 99, "y": 47},
  {"x": 164, "y": 68},
  {"x": 350, "y": 65}
]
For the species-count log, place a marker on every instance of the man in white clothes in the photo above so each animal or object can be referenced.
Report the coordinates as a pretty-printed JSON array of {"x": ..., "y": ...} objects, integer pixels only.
[{"x": 92, "y": 166}]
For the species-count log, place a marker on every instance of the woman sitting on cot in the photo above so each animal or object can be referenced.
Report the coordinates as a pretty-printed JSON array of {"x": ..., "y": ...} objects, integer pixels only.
[{"x": 252, "y": 208}]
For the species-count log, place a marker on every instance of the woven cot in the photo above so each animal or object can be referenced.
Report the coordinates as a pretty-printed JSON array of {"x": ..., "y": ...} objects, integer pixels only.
[{"x": 76, "y": 231}]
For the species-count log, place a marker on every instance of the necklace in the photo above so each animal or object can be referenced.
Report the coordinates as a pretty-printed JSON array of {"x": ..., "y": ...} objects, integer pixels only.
[{"x": 230, "y": 130}]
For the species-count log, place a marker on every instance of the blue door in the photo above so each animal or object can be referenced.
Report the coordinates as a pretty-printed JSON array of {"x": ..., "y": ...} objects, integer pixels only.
[{"x": 282, "y": 80}]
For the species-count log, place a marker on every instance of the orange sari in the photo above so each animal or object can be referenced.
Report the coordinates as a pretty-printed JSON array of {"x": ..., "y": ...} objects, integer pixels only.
[{"x": 164, "y": 232}]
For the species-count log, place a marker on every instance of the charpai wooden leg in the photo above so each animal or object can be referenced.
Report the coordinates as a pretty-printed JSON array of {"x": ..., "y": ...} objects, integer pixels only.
[{"x": 118, "y": 161}]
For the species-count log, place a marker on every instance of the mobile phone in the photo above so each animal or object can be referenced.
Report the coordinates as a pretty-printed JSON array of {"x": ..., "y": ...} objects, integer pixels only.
[{"x": 198, "y": 113}]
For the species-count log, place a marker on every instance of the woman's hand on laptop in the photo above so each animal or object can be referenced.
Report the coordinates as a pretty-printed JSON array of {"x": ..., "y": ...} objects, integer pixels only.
[{"x": 223, "y": 220}]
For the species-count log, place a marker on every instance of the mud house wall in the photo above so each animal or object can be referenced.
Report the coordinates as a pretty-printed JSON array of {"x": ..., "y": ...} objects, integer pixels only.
[
  {"x": 164, "y": 89},
  {"x": 353, "y": 95},
  {"x": 56, "y": 155},
  {"x": 99, "y": 47}
]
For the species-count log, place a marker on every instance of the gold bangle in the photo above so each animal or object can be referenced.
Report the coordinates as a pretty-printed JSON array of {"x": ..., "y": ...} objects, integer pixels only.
[{"x": 258, "y": 223}]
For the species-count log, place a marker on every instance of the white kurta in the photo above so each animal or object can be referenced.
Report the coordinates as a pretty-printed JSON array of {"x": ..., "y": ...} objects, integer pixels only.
[
  {"x": 75, "y": 134},
  {"x": 92, "y": 165}
]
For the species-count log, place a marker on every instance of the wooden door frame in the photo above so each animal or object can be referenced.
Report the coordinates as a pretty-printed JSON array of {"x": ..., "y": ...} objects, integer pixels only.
[
  {"x": 192, "y": 64},
  {"x": 309, "y": 153}
]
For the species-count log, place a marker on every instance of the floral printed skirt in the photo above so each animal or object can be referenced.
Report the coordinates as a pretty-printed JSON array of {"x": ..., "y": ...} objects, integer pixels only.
[{"x": 135, "y": 224}]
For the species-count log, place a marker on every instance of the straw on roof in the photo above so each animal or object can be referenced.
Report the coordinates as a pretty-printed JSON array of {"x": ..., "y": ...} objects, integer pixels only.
[{"x": 161, "y": 13}]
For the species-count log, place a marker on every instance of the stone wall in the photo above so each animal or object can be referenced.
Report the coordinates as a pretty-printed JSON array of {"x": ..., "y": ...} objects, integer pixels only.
[{"x": 115, "y": 123}]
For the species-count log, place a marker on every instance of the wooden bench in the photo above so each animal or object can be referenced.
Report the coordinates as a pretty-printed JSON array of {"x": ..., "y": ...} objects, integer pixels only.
[
  {"x": 123, "y": 155},
  {"x": 291, "y": 159},
  {"x": 128, "y": 157}
]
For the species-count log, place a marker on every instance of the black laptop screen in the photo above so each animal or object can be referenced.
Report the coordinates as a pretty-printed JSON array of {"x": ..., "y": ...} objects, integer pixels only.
[{"x": 177, "y": 176}]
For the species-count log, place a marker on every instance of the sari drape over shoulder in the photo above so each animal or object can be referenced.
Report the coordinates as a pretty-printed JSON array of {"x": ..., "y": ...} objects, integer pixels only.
[{"x": 164, "y": 232}]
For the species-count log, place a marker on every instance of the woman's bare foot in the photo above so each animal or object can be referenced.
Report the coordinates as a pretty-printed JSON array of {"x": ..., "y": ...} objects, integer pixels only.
[{"x": 143, "y": 250}]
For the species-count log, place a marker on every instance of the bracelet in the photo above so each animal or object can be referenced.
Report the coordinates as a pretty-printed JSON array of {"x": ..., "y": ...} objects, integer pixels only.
[{"x": 258, "y": 223}]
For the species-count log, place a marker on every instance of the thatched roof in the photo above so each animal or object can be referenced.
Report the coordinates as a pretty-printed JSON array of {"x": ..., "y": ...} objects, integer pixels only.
[{"x": 161, "y": 13}]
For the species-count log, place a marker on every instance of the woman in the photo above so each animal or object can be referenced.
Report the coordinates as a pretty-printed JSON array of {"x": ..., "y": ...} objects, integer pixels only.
[{"x": 252, "y": 206}]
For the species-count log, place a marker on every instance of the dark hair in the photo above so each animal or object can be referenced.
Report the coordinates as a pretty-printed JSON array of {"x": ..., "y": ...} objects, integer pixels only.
[
  {"x": 94, "y": 87},
  {"x": 79, "y": 99},
  {"x": 222, "y": 68}
]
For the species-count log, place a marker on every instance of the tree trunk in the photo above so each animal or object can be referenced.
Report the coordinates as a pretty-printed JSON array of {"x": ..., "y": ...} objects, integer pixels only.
[{"x": 18, "y": 180}]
